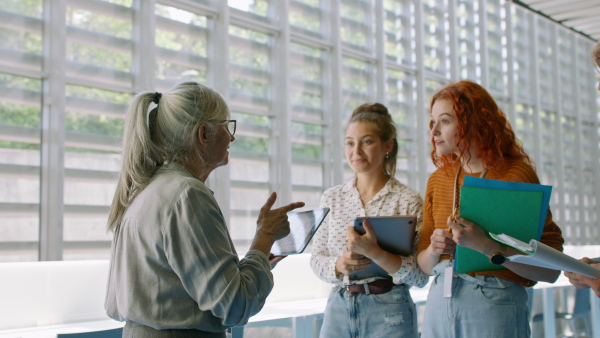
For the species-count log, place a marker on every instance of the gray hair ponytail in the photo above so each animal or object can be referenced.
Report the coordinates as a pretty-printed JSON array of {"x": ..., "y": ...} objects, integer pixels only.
[{"x": 167, "y": 133}]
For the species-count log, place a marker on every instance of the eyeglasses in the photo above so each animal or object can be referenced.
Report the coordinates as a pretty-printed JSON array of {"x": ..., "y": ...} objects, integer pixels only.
[{"x": 231, "y": 125}]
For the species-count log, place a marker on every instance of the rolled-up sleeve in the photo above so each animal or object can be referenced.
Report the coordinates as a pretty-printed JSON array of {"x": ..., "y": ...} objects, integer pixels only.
[
  {"x": 321, "y": 260},
  {"x": 409, "y": 272},
  {"x": 201, "y": 253}
]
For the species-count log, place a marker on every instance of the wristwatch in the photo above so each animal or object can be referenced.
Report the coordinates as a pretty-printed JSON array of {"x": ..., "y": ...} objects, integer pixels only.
[{"x": 499, "y": 257}]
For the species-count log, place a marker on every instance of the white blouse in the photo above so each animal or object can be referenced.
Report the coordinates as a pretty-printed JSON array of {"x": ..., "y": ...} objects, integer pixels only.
[{"x": 345, "y": 206}]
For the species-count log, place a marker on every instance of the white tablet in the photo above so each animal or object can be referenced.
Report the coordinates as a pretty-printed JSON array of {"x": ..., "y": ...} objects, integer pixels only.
[{"x": 303, "y": 225}]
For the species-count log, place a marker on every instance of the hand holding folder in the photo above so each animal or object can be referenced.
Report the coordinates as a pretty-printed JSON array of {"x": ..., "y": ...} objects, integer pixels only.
[
  {"x": 539, "y": 254},
  {"x": 518, "y": 211}
]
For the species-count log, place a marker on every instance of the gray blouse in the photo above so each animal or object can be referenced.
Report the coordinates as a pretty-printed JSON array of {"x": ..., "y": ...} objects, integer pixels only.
[{"x": 173, "y": 264}]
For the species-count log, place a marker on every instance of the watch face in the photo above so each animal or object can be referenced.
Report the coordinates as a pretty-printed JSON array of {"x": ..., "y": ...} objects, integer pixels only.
[{"x": 498, "y": 259}]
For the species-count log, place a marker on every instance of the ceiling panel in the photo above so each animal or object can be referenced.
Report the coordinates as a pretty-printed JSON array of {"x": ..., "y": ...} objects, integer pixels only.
[{"x": 580, "y": 15}]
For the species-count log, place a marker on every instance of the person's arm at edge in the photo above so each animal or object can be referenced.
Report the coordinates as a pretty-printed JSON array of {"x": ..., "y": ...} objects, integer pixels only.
[
  {"x": 321, "y": 261},
  {"x": 583, "y": 282},
  {"x": 410, "y": 273},
  {"x": 426, "y": 258}
]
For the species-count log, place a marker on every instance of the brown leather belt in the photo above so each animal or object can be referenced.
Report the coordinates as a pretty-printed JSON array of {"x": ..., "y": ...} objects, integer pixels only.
[{"x": 376, "y": 287}]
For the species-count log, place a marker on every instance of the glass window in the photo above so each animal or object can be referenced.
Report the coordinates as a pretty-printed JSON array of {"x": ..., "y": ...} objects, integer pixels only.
[
  {"x": 401, "y": 106},
  {"x": 309, "y": 17},
  {"x": 20, "y": 123},
  {"x": 98, "y": 40},
  {"x": 357, "y": 79},
  {"x": 496, "y": 45},
  {"x": 250, "y": 103},
  {"x": 399, "y": 32},
  {"x": 309, "y": 102},
  {"x": 256, "y": 7},
  {"x": 250, "y": 59},
  {"x": 357, "y": 24},
  {"x": 102, "y": 54},
  {"x": 435, "y": 19},
  {"x": 522, "y": 59},
  {"x": 566, "y": 61},
  {"x": 181, "y": 39},
  {"x": 468, "y": 35},
  {"x": 571, "y": 189},
  {"x": 19, "y": 168},
  {"x": 545, "y": 66}
]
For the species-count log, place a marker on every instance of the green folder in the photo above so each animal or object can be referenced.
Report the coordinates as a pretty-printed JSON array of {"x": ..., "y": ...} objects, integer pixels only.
[{"x": 513, "y": 212}]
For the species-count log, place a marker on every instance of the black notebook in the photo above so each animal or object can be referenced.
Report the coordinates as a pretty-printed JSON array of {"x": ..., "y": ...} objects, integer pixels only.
[{"x": 303, "y": 225}]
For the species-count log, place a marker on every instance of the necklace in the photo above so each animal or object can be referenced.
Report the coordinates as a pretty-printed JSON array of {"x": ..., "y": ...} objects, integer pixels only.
[{"x": 455, "y": 205}]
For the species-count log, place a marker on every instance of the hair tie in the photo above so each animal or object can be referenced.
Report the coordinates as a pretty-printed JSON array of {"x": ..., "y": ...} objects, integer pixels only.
[{"x": 156, "y": 97}]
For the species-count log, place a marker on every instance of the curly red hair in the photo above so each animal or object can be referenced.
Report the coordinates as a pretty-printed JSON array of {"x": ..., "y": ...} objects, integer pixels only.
[{"x": 480, "y": 123}]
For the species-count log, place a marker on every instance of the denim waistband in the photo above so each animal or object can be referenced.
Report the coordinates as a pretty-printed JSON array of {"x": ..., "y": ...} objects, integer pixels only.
[{"x": 483, "y": 280}]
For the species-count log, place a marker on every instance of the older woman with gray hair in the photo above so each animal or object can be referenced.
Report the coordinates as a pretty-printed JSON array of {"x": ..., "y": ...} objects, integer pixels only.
[{"x": 174, "y": 271}]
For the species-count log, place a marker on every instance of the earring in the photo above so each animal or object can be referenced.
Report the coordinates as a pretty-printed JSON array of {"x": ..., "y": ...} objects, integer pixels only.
[{"x": 387, "y": 155}]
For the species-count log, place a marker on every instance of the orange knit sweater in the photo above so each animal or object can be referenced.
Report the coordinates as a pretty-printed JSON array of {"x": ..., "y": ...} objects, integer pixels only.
[{"x": 438, "y": 206}]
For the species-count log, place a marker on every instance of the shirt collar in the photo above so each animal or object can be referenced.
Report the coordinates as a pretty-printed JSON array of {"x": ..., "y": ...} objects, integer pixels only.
[
  {"x": 176, "y": 166},
  {"x": 391, "y": 186}
]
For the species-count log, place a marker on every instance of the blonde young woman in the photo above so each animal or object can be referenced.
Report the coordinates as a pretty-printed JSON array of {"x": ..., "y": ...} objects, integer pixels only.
[
  {"x": 174, "y": 271},
  {"x": 367, "y": 307}
]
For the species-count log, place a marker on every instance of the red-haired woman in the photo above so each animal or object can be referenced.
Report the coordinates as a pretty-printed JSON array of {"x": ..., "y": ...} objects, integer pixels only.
[{"x": 472, "y": 137}]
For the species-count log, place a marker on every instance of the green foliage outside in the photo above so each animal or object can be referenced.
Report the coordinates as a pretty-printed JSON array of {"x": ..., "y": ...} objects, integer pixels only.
[
  {"x": 307, "y": 151},
  {"x": 182, "y": 43},
  {"x": 98, "y": 23},
  {"x": 24, "y": 42},
  {"x": 250, "y": 145},
  {"x": 97, "y": 94},
  {"x": 258, "y": 7},
  {"x": 94, "y": 124},
  {"x": 298, "y": 19},
  {"x": 97, "y": 56},
  {"x": 249, "y": 87},
  {"x": 32, "y": 8},
  {"x": 18, "y": 145},
  {"x": 20, "y": 116},
  {"x": 20, "y": 82},
  {"x": 245, "y": 82}
]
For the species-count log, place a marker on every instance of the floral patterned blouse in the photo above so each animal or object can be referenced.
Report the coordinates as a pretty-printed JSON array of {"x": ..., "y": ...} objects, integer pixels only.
[{"x": 329, "y": 243}]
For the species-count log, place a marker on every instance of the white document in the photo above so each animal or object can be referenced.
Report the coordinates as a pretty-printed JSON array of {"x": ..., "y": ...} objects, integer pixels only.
[{"x": 539, "y": 254}]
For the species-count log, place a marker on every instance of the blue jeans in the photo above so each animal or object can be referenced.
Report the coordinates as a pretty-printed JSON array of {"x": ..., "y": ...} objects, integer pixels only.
[
  {"x": 480, "y": 306},
  {"x": 391, "y": 314},
  {"x": 137, "y": 330}
]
